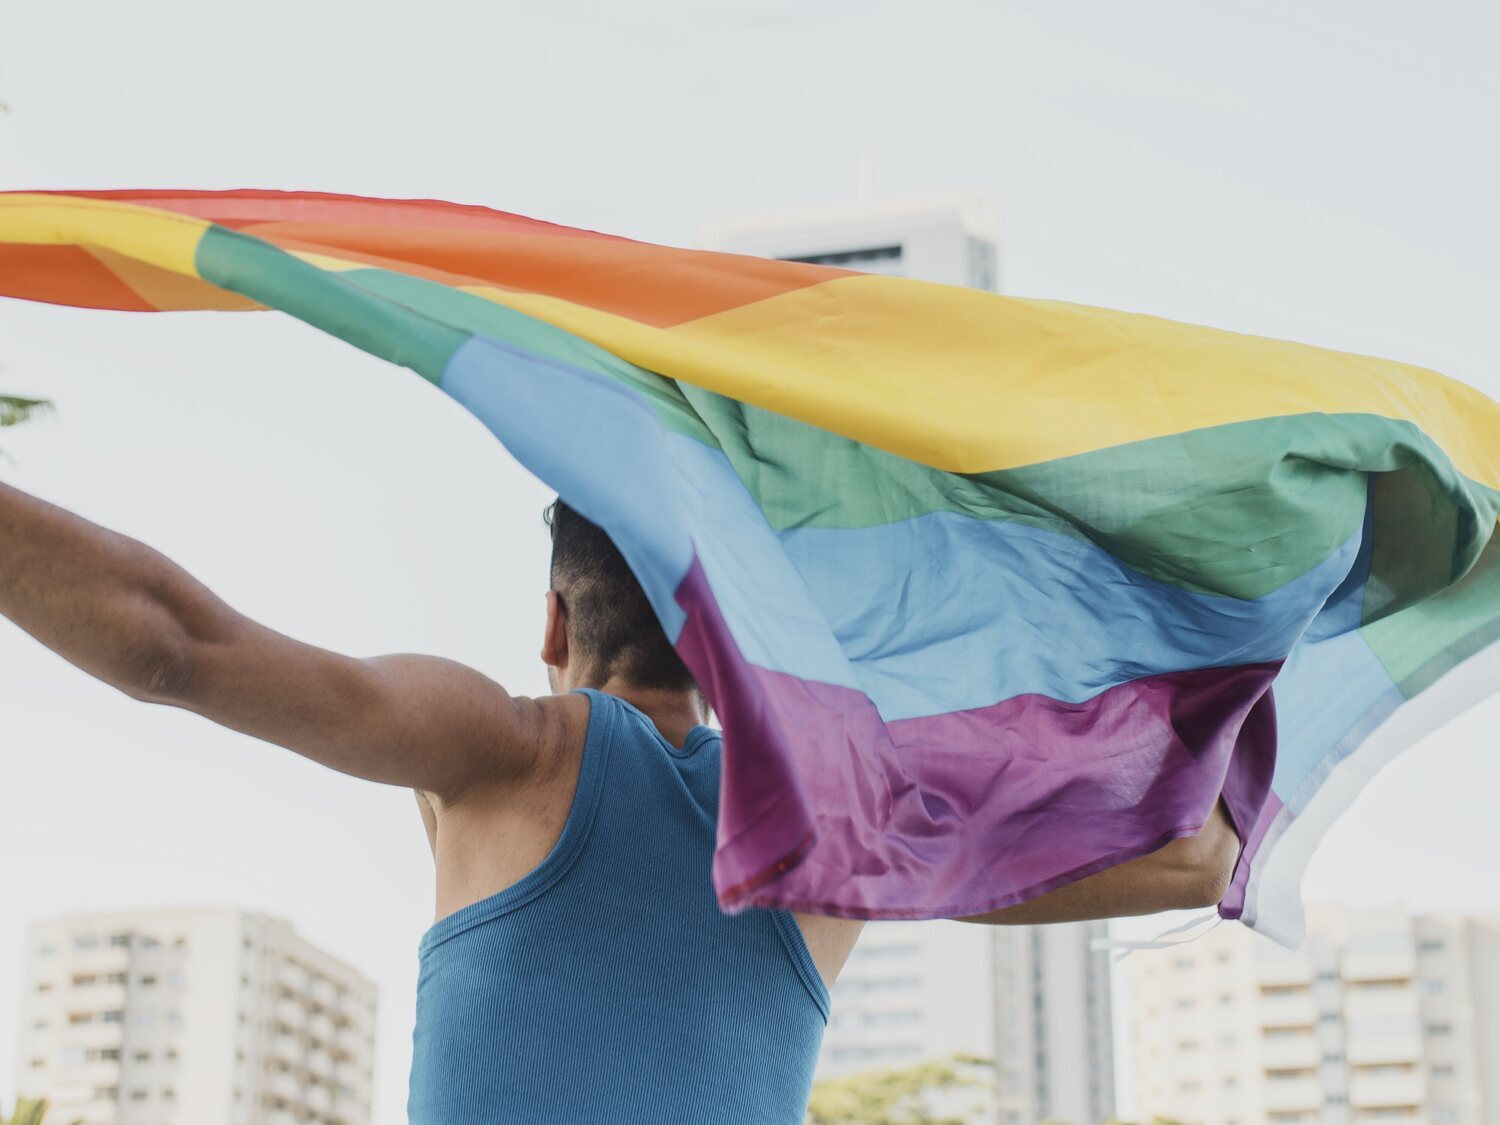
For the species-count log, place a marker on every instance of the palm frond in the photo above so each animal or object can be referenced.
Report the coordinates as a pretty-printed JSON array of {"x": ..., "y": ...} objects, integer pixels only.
[{"x": 14, "y": 409}]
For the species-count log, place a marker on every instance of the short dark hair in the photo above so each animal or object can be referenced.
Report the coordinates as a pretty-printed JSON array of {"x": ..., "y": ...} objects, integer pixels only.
[{"x": 611, "y": 626}]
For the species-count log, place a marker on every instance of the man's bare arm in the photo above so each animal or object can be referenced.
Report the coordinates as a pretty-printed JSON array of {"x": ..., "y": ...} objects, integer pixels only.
[
  {"x": 1188, "y": 873},
  {"x": 132, "y": 618}
]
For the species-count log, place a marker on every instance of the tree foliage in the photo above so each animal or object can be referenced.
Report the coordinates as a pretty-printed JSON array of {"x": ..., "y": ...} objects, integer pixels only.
[
  {"x": 14, "y": 410},
  {"x": 917, "y": 1095},
  {"x": 29, "y": 1112}
]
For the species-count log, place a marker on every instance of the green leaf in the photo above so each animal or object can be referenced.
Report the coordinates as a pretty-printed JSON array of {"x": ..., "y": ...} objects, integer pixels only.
[{"x": 14, "y": 410}]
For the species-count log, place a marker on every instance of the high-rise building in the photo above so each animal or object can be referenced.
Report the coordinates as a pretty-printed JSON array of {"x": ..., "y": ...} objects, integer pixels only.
[
  {"x": 1380, "y": 1016},
  {"x": 193, "y": 1017},
  {"x": 949, "y": 239},
  {"x": 1035, "y": 1000}
]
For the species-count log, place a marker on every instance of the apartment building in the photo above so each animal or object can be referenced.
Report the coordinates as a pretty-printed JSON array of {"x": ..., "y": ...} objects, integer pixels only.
[
  {"x": 1036, "y": 1000},
  {"x": 1381, "y": 1016},
  {"x": 952, "y": 239},
  {"x": 193, "y": 1017}
]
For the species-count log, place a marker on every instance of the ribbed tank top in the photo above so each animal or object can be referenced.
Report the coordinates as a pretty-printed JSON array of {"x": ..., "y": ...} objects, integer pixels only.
[{"x": 606, "y": 986}]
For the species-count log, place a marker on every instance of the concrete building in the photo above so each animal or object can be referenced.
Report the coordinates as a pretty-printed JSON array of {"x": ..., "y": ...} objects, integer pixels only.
[
  {"x": 1035, "y": 1000},
  {"x": 1381, "y": 1016},
  {"x": 951, "y": 239},
  {"x": 193, "y": 1017}
]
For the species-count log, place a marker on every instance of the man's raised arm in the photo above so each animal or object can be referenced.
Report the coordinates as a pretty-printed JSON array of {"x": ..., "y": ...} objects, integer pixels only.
[
  {"x": 1189, "y": 873},
  {"x": 132, "y": 618}
]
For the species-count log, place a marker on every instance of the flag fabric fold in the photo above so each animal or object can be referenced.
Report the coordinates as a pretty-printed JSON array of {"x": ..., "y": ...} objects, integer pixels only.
[{"x": 988, "y": 593}]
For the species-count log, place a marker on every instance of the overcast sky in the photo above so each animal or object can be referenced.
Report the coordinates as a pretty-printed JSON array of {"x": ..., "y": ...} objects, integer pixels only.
[{"x": 1322, "y": 172}]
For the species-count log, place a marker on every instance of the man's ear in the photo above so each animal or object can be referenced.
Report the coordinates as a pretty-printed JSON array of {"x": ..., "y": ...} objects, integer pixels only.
[{"x": 555, "y": 636}]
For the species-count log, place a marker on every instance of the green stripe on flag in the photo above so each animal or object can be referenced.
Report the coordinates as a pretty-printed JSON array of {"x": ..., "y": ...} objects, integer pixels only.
[{"x": 256, "y": 269}]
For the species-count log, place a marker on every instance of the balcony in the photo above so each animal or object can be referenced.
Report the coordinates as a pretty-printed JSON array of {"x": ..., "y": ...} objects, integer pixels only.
[
  {"x": 101, "y": 961},
  {"x": 324, "y": 991},
  {"x": 320, "y": 1064},
  {"x": 290, "y": 1013},
  {"x": 353, "y": 1042},
  {"x": 1395, "y": 1045},
  {"x": 91, "y": 1035},
  {"x": 1387, "y": 1091},
  {"x": 322, "y": 1029},
  {"x": 284, "y": 1085},
  {"x": 1278, "y": 967},
  {"x": 100, "y": 997},
  {"x": 1388, "y": 964},
  {"x": 1290, "y": 1095},
  {"x": 1300, "y": 1052},
  {"x": 288, "y": 1049},
  {"x": 1294, "y": 1009},
  {"x": 1380, "y": 1006},
  {"x": 347, "y": 1106},
  {"x": 291, "y": 978},
  {"x": 319, "y": 1099}
]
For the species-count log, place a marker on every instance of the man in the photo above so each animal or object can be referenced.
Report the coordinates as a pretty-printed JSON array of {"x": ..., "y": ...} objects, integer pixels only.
[{"x": 579, "y": 970}]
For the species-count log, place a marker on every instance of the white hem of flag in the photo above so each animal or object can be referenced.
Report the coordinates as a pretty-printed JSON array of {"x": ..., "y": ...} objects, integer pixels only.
[{"x": 1273, "y": 897}]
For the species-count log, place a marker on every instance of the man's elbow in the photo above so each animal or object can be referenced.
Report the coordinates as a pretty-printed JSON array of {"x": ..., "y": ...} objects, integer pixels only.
[
  {"x": 161, "y": 671},
  {"x": 1200, "y": 868}
]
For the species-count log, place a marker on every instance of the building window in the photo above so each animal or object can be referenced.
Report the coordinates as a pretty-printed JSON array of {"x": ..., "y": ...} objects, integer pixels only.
[
  {"x": 1434, "y": 987},
  {"x": 1438, "y": 1030},
  {"x": 142, "y": 1056},
  {"x": 115, "y": 1016},
  {"x": 119, "y": 940},
  {"x": 84, "y": 942},
  {"x": 138, "y": 1095},
  {"x": 853, "y": 259},
  {"x": 1432, "y": 945},
  {"x": 146, "y": 981}
]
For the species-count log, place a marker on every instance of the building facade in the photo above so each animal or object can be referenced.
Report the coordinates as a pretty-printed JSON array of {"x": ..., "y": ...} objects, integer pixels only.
[
  {"x": 948, "y": 239},
  {"x": 193, "y": 1017},
  {"x": 1035, "y": 1000},
  {"x": 1380, "y": 1016}
]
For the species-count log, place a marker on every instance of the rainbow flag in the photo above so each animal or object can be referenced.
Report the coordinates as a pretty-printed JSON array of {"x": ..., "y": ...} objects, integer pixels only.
[{"x": 989, "y": 594}]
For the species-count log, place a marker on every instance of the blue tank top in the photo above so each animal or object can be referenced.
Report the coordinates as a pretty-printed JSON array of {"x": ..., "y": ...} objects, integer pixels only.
[{"x": 606, "y": 987}]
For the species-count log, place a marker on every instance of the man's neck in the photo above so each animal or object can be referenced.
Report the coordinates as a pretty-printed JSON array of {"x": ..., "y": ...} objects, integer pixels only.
[{"x": 675, "y": 713}]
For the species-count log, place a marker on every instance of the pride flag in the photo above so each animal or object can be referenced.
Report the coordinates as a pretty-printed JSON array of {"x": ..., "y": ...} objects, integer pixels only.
[{"x": 988, "y": 593}]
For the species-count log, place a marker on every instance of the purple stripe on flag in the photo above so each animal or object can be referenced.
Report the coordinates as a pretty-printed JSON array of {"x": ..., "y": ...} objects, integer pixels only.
[{"x": 967, "y": 811}]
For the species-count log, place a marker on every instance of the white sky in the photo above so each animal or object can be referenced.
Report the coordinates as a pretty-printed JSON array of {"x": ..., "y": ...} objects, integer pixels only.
[{"x": 1322, "y": 172}]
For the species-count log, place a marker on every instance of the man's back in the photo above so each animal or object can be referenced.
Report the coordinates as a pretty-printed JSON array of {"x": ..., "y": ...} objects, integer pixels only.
[{"x": 606, "y": 986}]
